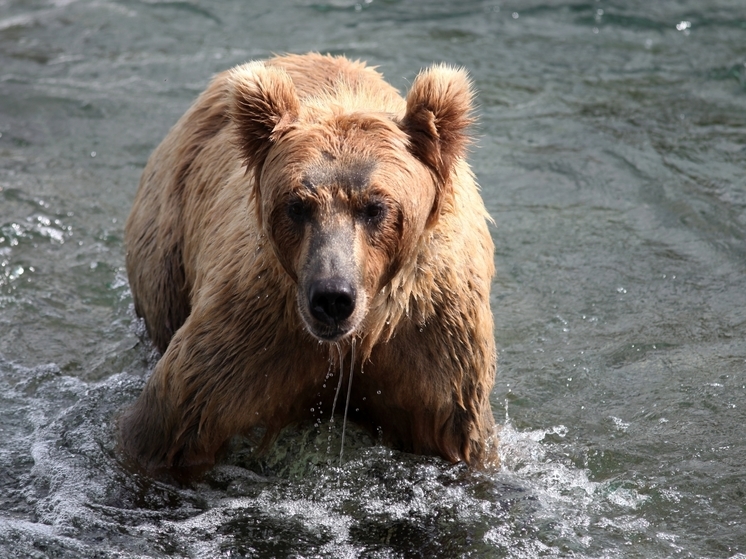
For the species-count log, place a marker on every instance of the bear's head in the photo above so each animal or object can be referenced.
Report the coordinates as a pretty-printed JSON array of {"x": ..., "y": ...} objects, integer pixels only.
[{"x": 348, "y": 181}]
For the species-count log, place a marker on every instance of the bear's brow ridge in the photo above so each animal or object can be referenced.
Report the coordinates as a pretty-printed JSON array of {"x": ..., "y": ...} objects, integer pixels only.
[{"x": 351, "y": 176}]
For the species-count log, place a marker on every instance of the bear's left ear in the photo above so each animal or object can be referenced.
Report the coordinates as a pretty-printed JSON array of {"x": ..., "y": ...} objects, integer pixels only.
[{"x": 439, "y": 111}]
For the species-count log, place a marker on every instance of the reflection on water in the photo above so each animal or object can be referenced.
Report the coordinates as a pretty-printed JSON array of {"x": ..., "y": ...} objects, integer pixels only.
[{"x": 611, "y": 154}]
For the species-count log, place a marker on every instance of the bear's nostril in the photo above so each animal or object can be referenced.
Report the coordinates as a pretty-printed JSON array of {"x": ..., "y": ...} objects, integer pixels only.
[{"x": 331, "y": 300}]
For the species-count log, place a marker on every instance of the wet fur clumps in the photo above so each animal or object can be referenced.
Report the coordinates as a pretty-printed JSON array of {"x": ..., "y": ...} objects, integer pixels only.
[{"x": 301, "y": 215}]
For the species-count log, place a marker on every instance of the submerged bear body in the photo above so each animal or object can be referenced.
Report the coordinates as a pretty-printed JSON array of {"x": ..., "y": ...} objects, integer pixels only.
[{"x": 302, "y": 212}]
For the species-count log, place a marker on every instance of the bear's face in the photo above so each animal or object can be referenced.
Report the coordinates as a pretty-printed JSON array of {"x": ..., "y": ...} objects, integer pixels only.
[
  {"x": 343, "y": 203},
  {"x": 345, "y": 195}
]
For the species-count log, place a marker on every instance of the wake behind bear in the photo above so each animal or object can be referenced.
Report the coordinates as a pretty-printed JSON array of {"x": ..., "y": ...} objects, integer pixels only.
[{"x": 301, "y": 213}]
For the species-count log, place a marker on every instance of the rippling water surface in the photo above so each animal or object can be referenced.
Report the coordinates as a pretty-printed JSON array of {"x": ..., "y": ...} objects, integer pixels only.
[{"x": 612, "y": 155}]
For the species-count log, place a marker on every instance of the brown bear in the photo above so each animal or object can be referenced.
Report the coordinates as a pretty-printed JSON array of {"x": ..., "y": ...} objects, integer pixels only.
[{"x": 300, "y": 214}]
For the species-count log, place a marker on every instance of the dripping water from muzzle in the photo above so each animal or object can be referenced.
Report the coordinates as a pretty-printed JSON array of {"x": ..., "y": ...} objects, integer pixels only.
[
  {"x": 347, "y": 402},
  {"x": 349, "y": 391}
]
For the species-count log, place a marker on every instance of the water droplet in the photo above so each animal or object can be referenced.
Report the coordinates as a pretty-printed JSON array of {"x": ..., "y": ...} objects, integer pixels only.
[
  {"x": 378, "y": 392},
  {"x": 312, "y": 410},
  {"x": 93, "y": 154}
]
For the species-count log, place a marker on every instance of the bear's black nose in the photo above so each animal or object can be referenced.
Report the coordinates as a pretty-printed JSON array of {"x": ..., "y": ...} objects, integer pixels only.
[{"x": 331, "y": 300}]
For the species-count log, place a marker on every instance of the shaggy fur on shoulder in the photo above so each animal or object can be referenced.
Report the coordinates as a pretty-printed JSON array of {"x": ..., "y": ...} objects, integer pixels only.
[{"x": 298, "y": 209}]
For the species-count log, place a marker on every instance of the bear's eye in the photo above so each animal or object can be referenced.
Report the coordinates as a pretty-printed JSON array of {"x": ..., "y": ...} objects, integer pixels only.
[
  {"x": 298, "y": 211},
  {"x": 374, "y": 212}
]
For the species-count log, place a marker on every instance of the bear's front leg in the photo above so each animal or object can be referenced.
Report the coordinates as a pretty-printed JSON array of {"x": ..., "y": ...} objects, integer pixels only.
[
  {"x": 428, "y": 387},
  {"x": 169, "y": 431},
  {"x": 210, "y": 384}
]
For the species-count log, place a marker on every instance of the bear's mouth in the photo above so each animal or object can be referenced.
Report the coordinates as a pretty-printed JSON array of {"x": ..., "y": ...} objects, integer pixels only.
[
  {"x": 328, "y": 332},
  {"x": 335, "y": 335}
]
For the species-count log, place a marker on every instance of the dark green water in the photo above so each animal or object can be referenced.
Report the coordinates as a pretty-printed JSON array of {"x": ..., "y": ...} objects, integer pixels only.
[{"x": 612, "y": 155}]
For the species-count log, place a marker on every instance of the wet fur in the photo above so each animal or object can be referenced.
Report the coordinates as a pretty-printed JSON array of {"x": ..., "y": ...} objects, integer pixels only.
[{"x": 215, "y": 265}]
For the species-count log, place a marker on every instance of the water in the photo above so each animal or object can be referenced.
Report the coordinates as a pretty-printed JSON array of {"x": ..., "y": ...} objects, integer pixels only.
[{"x": 611, "y": 152}]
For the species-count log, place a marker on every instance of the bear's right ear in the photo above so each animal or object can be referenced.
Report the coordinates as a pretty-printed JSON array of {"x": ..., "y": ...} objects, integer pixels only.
[{"x": 264, "y": 104}]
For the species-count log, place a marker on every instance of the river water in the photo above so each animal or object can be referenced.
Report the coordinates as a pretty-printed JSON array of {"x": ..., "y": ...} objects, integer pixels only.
[{"x": 612, "y": 156}]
